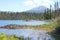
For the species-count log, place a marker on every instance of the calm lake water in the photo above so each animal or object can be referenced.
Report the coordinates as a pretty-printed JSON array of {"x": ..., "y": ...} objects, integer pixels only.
[
  {"x": 26, "y": 33},
  {"x": 21, "y": 22}
]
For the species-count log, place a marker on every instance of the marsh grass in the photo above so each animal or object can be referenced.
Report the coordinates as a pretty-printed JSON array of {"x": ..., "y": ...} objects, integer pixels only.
[{"x": 46, "y": 27}]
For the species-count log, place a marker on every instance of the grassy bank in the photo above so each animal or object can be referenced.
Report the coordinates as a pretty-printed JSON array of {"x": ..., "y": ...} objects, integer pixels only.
[
  {"x": 5, "y": 37},
  {"x": 46, "y": 27}
]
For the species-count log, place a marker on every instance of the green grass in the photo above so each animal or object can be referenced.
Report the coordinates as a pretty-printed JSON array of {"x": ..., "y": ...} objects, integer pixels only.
[
  {"x": 47, "y": 27},
  {"x": 5, "y": 37}
]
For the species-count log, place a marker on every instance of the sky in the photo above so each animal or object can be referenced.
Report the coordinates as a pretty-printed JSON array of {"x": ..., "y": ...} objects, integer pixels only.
[{"x": 24, "y": 5}]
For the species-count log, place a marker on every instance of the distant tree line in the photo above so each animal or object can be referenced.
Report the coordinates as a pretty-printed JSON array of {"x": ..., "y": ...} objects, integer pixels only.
[{"x": 20, "y": 16}]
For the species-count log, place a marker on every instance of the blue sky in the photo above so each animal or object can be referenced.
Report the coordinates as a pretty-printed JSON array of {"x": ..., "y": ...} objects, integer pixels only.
[{"x": 23, "y": 5}]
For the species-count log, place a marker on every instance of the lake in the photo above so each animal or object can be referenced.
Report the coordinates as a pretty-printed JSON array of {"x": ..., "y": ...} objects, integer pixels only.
[
  {"x": 26, "y": 33},
  {"x": 22, "y": 22}
]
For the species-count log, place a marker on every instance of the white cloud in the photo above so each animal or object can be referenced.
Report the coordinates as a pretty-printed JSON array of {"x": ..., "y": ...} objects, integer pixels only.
[
  {"x": 28, "y": 3},
  {"x": 34, "y": 3}
]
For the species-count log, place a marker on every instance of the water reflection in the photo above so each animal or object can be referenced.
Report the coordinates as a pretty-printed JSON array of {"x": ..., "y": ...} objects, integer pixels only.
[{"x": 28, "y": 34}]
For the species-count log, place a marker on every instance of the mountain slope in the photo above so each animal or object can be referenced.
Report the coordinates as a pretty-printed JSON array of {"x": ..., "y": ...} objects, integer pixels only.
[{"x": 39, "y": 9}]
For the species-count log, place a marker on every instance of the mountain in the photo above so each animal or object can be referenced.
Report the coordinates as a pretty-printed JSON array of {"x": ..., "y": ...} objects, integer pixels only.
[{"x": 39, "y": 9}]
